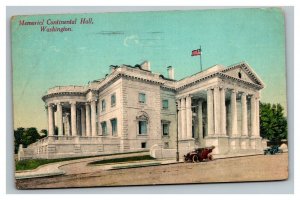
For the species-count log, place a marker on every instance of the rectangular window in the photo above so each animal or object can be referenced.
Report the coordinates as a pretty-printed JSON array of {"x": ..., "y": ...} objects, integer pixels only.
[
  {"x": 142, "y": 127},
  {"x": 104, "y": 128},
  {"x": 114, "y": 127},
  {"x": 142, "y": 98},
  {"x": 165, "y": 129},
  {"x": 113, "y": 100},
  {"x": 165, "y": 104},
  {"x": 143, "y": 145},
  {"x": 103, "y": 105}
]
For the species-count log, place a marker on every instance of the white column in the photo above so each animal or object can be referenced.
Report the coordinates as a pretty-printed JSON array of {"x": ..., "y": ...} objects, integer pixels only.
[
  {"x": 93, "y": 118},
  {"x": 183, "y": 119},
  {"x": 50, "y": 120},
  {"x": 253, "y": 116},
  {"x": 223, "y": 111},
  {"x": 73, "y": 119},
  {"x": 179, "y": 119},
  {"x": 244, "y": 115},
  {"x": 233, "y": 114},
  {"x": 82, "y": 114},
  {"x": 59, "y": 119},
  {"x": 67, "y": 124},
  {"x": 188, "y": 108},
  {"x": 210, "y": 113},
  {"x": 88, "y": 119},
  {"x": 257, "y": 118},
  {"x": 98, "y": 117},
  {"x": 217, "y": 110},
  {"x": 200, "y": 123}
]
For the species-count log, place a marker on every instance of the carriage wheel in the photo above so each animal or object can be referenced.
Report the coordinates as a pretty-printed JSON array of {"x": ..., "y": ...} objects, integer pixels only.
[
  {"x": 195, "y": 158},
  {"x": 186, "y": 159}
]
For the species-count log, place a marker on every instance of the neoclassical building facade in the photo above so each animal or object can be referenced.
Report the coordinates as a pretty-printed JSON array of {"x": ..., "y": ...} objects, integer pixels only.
[{"x": 134, "y": 109}]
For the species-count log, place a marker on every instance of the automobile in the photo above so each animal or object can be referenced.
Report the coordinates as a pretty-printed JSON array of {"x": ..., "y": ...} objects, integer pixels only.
[
  {"x": 272, "y": 150},
  {"x": 199, "y": 155}
]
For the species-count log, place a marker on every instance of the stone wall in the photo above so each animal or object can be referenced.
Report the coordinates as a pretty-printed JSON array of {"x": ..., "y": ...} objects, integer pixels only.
[
  {"x": 132, "y": 109},
  {"x": 169, "y": 115}
]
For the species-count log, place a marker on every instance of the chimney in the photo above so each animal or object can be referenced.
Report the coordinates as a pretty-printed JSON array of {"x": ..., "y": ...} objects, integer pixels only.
[
  {"x": 170, "y": 72},
  {"x": 146, "y": 65}
]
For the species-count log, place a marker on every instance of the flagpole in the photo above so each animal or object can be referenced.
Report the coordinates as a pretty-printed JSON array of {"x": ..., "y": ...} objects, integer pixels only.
[{"x": 200, "y": 59}]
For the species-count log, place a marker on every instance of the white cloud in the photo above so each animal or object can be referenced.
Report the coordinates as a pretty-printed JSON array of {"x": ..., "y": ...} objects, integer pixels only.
[{"x": 131, "y": 40}]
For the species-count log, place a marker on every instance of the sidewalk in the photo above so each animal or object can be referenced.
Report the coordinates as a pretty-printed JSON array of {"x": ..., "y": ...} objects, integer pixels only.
[
  {"x": 55, "y": 169},
  {"x": 81, "y": 166}
]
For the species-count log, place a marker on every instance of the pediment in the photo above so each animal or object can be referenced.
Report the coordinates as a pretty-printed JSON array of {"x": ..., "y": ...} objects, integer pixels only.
[{"x": 243, "y": 72}]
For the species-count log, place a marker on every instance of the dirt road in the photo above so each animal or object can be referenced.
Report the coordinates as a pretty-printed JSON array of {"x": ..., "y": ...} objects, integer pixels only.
[{"x": 251, "y": 168}]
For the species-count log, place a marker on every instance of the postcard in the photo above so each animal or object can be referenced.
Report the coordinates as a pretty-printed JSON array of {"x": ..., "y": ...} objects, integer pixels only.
[{"x": 149, "y": 98}]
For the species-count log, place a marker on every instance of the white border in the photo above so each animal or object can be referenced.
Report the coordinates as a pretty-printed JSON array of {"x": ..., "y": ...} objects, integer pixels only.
[{"x": 140, "y": 3}]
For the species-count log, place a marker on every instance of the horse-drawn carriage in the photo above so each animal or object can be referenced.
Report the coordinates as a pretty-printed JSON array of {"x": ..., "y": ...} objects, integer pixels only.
[{"x": 199, "y": 155}]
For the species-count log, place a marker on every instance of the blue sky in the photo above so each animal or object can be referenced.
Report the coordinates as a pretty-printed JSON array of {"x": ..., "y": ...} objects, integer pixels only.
[{"x": 42, "y": 60}]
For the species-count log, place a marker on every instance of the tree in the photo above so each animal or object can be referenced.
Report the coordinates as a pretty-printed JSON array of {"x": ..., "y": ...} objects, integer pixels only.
[
  {"x": 25, "y": 137},
  {"x": 273, "y": 124},
  {"x": 43, "y": 133},
  {"x": 18, "y": 135},
  {"x": 31, "y": 136}
]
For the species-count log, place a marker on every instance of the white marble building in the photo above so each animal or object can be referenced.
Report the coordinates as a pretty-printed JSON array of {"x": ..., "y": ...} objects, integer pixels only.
[{"x": 134, "y": 109}]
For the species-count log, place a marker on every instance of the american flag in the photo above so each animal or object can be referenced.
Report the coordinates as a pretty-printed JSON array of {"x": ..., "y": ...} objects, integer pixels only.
[{"x": 196, "y": 52}]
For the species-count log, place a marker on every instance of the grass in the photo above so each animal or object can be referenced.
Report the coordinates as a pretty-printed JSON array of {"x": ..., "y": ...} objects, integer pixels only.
[
  {"x": 136, "y": 166},
  {"x": 35, "y": 163},
  {"x": 126, "y": 159}
]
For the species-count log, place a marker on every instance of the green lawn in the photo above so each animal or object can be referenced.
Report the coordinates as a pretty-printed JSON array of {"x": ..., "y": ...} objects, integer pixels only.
[
  {"x": 34, "y": 163},
  {"x": 126, "y": 159}
]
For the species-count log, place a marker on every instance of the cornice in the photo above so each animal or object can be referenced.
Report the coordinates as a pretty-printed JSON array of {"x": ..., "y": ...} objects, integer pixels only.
[{"x": 63, "y": 94}]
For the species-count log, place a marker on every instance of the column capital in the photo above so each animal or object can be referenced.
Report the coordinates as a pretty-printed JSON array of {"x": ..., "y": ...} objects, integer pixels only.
[
  {"x": 223, "y": 87},
  {"x": 244, "y": 94},
  {"x": 73, "y": 102},
  {"x": 49, "y": 104},
  {"x": 209, "y": 88},
  {"x": 234, "y": 91},
  {"x": 216, "y": 87},
  {"x": 188, "y": 96}
]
